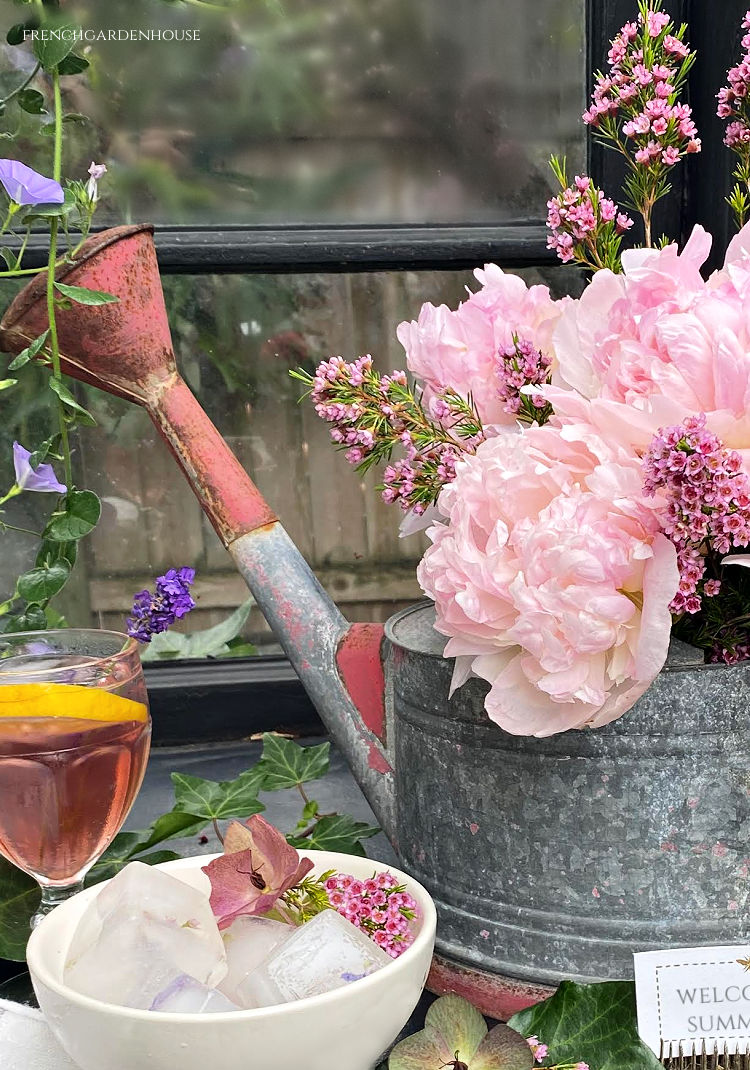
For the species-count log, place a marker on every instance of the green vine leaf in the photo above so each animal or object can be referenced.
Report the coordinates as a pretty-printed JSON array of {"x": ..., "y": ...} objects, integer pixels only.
[
  {"x": 287, "y": 765},
  {"x": 55, "y": 45},
  {"x": 80, "y": 294},
  {"x": 41, "y": 584},
  {"x": 72, "y": 64},
  {"x": 213, "y": 800},
  {"x": 31, "y": 101},
  {"x": 81, "y": 515},
  {"x": 595, "y": 1024},
  {"x": 336, "y": 832},
  {"x": 57, "y": 386},
  {"x": 29, "y": 353}
]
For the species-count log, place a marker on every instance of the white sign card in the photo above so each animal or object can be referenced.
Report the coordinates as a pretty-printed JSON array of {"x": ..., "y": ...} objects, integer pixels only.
[{"x": 692, "y": 994}]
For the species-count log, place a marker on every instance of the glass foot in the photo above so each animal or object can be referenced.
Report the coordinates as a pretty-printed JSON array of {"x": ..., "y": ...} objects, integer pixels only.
[{"x": 52, "y": 897}]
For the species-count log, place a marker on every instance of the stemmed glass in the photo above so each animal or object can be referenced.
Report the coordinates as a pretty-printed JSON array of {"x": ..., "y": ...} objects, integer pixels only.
[{"x": 75, "y": 734}]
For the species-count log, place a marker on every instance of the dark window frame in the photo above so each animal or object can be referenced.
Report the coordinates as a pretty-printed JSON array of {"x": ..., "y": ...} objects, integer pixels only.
[{"x": 231, "y": 699}]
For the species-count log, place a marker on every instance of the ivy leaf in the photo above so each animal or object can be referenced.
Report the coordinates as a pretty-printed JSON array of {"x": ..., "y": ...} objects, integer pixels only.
[
  {"x": 81, "y": 295},
  {"x": 19, "y": 898},
  {"x": 286, "y": 764},
  {"x": 41, "y": 584},
  {"x": 81, "y": 515},
  {"x": 31, "y": 101},
  {"x": 29, "y": 353},
  {"x": 170, "y": 826},
  {"x": 337, "y": 832},
  {"x": 72, "y": 64},
  {"x": 57, "y": 386},
  {"x": 122, "y": 850},
  {"x": 213, "y": 800},
  {"x": 595, "y": 1024}
]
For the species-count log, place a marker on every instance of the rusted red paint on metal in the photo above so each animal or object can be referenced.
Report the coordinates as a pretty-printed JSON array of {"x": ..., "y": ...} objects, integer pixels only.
[
  {"x": 126, "y": 349},
  {"x": 361, "y": 669},
  {"x": 377, "y": 760},
  {"x": 231, "y": 500},
  {"x": 496, "y": 996}
]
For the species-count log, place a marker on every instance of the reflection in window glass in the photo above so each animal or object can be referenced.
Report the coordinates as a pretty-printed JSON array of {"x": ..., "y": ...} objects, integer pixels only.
[
  {"x": 236, "y": 338},
  {"x": 322, "y": 110}
]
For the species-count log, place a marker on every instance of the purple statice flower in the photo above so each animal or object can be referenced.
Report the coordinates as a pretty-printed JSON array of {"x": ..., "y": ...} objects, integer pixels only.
[
  {"x": 28, "y": 187},
  {"x": 154, "y": 613},
  {"x": 42, "y": 479},
  {"x": 707, "y": 502}
]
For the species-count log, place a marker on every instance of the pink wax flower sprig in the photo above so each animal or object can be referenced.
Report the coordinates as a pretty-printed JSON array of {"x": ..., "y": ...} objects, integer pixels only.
[
  {"x": 734, "y": 106},
  {"x": 635, "y": 106},
  {"x": 707, "y": 504},
  {"x": 585, "y": 226},
  {"x": 539, "y": 1051},
  {"x": 520, "y": 367},
  {"x": 379, "y": 907},
  {"x": 373, "y": 414}
]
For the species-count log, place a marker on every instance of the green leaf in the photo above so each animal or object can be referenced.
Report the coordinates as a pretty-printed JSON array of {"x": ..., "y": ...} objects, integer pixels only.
[
  {"x": 15, "y": 35},
  {"x": 19, "y": 898},
  {"x": 172, "y": 826},
  {"x": 50, "y": 552},
  {"x": 72, "y": 64},
  {"x": 9, "y": 257},
  {"x": 310, "y": 811},
  {"x": 31, "y": 101},
  {"x": 5, "y": 384},
  {"x": 33, "y": 619},
  {"x": 29, "y": 353},
  {"x": 58, "y": 44},
  {"x": 211, "y": 642},
  {"x": 81, "y": 515},
  {"x": 116, "y": 857},
  {"x": 337, "y": 832},
  {"x": 57, "y": 386},
  {"x": 286, "y": 764},
  {"x": 214, "y": 800},
  {"x": 41, "y": 584},
  {"x": 82, "y": 296},
  {"x": 595, "y": 1024},
  {"x": 45, "y": 212}
]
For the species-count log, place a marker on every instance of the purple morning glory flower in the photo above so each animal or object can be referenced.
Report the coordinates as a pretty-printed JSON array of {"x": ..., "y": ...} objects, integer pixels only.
[
  {"x": 28, "y": 187},
  {"x": 42, "y": 479},
  {"x": 154, "y": 613}
]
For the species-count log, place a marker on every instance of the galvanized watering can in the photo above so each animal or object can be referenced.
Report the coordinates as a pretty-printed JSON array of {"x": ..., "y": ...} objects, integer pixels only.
[{"x": 549, "y": 859}]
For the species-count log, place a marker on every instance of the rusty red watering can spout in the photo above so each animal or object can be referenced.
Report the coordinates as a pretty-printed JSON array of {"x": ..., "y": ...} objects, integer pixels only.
[{"x": 126, "y": 349}]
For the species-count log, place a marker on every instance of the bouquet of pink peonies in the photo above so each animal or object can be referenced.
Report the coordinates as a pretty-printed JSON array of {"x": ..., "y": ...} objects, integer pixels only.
[{"x": 582, "y": 466}]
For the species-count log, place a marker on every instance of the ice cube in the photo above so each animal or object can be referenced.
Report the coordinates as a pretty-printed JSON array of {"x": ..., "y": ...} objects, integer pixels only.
[
  {"x": 248, "y": 941},
  {"x": 144, "y": 930},
  {"x": 185, "y": 995},
  {"x": 326, "y": 953}
]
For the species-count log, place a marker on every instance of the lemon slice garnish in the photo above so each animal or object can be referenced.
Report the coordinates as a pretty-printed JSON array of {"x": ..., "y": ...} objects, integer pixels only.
[{"x": 68, "y": 700}]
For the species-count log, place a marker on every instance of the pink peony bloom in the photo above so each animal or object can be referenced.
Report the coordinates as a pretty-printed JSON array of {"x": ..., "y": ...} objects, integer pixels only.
[
  {"x": 458, "y": 349},
  {"x": 552, "y": 579}
]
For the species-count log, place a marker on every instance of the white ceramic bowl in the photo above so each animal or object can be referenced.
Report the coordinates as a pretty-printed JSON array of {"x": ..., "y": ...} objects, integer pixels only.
[{"x": 343, "y": 1030}]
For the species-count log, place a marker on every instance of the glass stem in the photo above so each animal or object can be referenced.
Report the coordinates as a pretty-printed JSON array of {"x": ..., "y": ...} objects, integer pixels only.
[{"x": 52, "y": 897}]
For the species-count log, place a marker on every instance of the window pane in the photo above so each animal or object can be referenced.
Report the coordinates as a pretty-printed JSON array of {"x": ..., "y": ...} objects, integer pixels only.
[
  {"x": 236, "y": 338},
  {"x": 326, "y": 110}
]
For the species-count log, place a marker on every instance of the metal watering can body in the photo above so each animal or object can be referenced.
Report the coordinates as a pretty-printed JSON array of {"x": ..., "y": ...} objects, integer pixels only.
[{"x": 549, "y": 859}]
